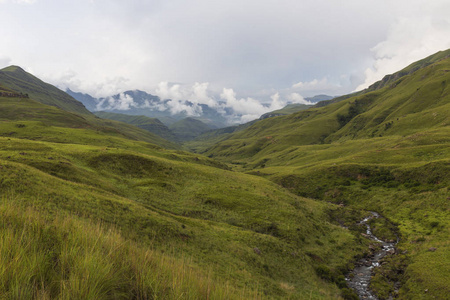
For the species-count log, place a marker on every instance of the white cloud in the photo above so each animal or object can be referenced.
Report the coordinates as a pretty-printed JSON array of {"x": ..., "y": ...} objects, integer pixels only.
[
  {"x": 200, "y": 95},
  {"x": 297, "y": 98},
  {"x": 410, "y": 39},
  {"x": 276, "y": 102},
  {"x": 123, "y": 102},
  {"x": 243, "y": 105},
  {"x": 179, "y": 106},
  {"x": 165, "y": 91}
]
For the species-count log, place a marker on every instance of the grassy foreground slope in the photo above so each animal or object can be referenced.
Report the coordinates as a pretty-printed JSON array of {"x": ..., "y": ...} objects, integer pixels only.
[
  {"x": 97, "y": 213},
  {"x": 387, "y": 150},
  {"x": 236, "y": 227}
]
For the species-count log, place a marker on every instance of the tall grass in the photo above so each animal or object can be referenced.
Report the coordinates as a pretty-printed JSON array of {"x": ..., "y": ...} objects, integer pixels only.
[{"x": 68, "y": 258}]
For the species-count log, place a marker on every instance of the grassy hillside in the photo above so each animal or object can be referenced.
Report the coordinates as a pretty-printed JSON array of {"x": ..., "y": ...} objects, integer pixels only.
[
  {"x": 48, "y": 123},
  {"x": 386, "y": 150},
  {"x": 16, "y": 79},
  {"x": 189, "y": 128},
  {"x": 243, "y": 229},
  {"x": 152, "y": 125},
  {"x": 208, "y": 139}
]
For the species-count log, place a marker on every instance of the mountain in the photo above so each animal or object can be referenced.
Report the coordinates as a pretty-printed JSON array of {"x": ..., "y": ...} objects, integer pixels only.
[
  {"x": 384, "y": 149},
  {"x": 141, "y": 103},
  {"x": 88, "y": 101},
  {"x": 168, "y": 112},
  {"x": 16, "y": 79},
  {"x": 189, "y": 128},
  {"x": 319, "y": 98},
  {"x": 97, "y": 210},
  {"x": 150, "y": 124}
]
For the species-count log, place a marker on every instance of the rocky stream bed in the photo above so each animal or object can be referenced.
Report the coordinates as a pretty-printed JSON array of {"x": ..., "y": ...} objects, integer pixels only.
[{"x": 359, "y": 278}]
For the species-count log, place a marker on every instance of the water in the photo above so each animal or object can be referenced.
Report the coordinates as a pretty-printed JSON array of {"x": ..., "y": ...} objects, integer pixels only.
[{"x": 363, "y": 270}]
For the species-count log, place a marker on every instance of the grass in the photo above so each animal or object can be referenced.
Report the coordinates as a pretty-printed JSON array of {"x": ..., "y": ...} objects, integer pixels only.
[
  {"x": 63, "y": 257},
  {"x": 238, "y": 228},
  {"x": 152, "y": 125}
]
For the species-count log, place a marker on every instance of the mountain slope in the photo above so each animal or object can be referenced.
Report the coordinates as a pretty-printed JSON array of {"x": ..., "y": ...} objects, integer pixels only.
[
  {"x": 15, "y": 78},
  {"x": 152, "y": 125},
  {"x": 141, "y": 103},
  {"x": 189, "y": 128}
]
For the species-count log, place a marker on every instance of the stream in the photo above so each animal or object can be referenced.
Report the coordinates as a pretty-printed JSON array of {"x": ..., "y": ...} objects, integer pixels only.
[{"x": 362, "y": 273}]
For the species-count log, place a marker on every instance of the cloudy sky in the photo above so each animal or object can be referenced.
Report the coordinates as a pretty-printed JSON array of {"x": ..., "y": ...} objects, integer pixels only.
[{"x": 246, "y": 51}]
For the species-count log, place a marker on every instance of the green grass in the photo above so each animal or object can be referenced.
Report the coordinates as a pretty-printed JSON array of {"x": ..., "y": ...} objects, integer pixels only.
[
  {"x": 152, "y": 125},
  {"x": 188, "y": 129},
  {"x": 241, "y": 228},
  {"x": 62, "y": 257}
]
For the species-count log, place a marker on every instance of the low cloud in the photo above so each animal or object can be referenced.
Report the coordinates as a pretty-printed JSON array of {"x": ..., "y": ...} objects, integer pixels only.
[
  {"x": 188, "y": 99},
  {"x": 248, "y": 109},
  {"x": 122, "y": 102},
  {"x": 179, "y": 106},
  {"x": 297, "y": 98}
]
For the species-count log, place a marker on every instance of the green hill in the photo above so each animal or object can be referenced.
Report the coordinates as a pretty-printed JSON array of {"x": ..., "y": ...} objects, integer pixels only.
[
  {"x": 152, "y": 125},
  {"x": 50, "y": 108},
  {"x": 18, "y": 80},
  {"x": 385, "y": 149},
  {"x": 189, "y": 128}
]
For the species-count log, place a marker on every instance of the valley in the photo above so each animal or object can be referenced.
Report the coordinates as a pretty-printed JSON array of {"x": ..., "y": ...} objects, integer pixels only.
[{"x": 117, "y": 206}]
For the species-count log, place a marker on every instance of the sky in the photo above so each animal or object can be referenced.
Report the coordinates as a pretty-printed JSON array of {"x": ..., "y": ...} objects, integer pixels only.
[{"x": 244, "y": 52}]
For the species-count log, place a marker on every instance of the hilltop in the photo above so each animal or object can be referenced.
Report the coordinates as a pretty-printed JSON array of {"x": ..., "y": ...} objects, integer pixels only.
[{"x": 16, "y": 79}]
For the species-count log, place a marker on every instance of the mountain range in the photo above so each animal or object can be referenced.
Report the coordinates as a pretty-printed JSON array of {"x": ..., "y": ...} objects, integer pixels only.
[
  {"x": 271, "y": 209},
  {"x": 141, "y": 103}
]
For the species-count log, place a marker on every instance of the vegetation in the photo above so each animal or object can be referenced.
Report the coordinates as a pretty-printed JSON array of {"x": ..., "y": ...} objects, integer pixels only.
[
  {"x": 100, "y": 209},
  {"x": 189, "y": 128},
  {"x": 150, "y": 124},
  {"x": 385, "y": 149}
]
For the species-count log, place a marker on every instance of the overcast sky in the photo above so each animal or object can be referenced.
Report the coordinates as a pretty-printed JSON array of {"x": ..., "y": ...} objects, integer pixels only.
[{"x": 237, "y": 50}]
